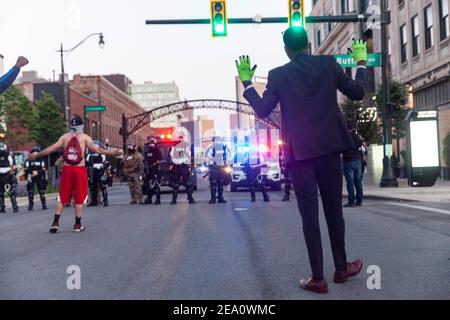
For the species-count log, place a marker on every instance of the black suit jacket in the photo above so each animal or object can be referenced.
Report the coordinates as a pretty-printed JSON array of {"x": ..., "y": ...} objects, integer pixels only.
[{"x": 312, "y": 123}]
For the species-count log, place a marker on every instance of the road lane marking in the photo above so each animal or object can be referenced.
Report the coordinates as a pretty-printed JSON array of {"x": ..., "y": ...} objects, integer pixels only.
[{"x": 420, "y": 208}]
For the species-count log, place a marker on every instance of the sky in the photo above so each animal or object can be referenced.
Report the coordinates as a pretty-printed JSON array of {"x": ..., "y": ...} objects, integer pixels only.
[{"x": 202, "y": 66}]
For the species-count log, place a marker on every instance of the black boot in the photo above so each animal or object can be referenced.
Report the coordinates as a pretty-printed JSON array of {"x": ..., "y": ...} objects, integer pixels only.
[
  {"x": 105, "y": 198},
  {"x": 221, "y": 199},
  {"x": 93, "y": 202},
  {"x": 286, "y": 198},
  {"x": 14, "y": 203},
  {"x": 253, "y": 193},
  {"x": 190, "y": 191},
  {"x": 2, "y": 203},
  {"x": 174, "y": 196},
  {"x": 213, "y": 195},
  {"x": 158, "y": 197},
  {"x": 30, "y": 202},
  {"x": 265, "y": 194},
  {"x": 43, "y": 201}
]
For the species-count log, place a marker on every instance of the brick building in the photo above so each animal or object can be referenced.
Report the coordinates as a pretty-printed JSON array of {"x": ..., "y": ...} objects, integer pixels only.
[{"x": 117, "y": 102}]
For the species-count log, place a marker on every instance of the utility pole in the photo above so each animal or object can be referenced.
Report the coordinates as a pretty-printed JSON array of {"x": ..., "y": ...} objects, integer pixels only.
[{"x": 388, "y": 179}]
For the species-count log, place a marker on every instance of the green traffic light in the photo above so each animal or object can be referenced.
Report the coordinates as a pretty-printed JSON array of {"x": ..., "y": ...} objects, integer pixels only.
[
  {"x": 220, "y": 29},
  {"x": 297, "y": 19},
  {"x": 218, "y": 18}
]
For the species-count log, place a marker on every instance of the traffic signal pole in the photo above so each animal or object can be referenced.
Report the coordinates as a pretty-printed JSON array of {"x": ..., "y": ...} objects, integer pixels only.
[{"x": 388, "y": 179}]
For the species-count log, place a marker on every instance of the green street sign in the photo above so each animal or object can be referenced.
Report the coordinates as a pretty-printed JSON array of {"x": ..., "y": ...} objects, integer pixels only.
[
  {"x": 346, "y": 61},
  {"x": 88, "y": 109}
]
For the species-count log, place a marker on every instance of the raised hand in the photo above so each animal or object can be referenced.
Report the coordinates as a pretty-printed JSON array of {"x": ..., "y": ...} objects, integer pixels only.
[
  {"x": 246, "y": 72},
  {"x": 21, "y": 62},
  {"x": 358, "y": 50}
]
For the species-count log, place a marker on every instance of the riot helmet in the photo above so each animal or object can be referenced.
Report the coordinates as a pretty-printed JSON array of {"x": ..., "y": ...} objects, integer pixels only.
[
  {"x": 3, "y": 147},
  {"x": 35, "y": 149}
]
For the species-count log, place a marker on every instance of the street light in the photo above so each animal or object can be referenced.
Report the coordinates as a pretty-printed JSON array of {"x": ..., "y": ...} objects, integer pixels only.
[{"x": 65, "y": 102}]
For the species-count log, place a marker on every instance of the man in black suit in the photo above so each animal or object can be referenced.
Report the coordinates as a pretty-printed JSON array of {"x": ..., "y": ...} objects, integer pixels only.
[{"x": 315, "y": 134}]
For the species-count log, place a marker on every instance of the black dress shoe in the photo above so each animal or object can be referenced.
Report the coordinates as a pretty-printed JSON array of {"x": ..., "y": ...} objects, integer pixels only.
[
  {"x": 358, "y": 204},
  {"x": 349, "y": 205}
]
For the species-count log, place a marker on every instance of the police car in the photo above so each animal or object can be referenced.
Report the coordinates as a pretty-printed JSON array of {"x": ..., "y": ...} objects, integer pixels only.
[{"x": 271, "y": 170}]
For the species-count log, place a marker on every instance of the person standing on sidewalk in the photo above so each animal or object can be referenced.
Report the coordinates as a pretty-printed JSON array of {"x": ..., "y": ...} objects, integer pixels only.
[
  {"x": 315, "y": 134},
  {"x": 8, "y": 79},
  {"x": 74, "y": 180},
  {"x": 352, "y": 167}
]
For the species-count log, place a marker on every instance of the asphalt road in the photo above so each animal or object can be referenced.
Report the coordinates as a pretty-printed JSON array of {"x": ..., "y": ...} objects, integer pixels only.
[{"x": 236, "y": 250}]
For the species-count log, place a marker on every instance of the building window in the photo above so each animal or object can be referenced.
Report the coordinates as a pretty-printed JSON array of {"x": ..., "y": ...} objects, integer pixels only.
[
  {"x": 319, "y": 39},
  {"x": 403, "y": 43},
  {"x": 443, "y": 18},
  {"x": 401, "y": 3},
  {"x": 415, "y": 36},
  {"x": 345, "y": 6},
  {"x": 429, "y": 38}
]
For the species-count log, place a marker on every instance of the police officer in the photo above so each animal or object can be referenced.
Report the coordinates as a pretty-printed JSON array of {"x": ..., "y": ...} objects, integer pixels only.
[
  {"x": 180, "y": 156},
  {"x": 8, "y": 180},
  {"x": 133, "y": 167},
  {"x": 287, "y": 178},
  {"x": 35, "y": 174},
  {"x": 217, "y": 174},
  {"x": 252, "y": 169},
  {"x": 152, "y": 159},
  {"x": 96, "y": 165}
]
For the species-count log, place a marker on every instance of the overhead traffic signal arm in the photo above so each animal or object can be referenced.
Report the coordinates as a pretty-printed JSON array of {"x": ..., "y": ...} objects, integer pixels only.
[{"x": 383, "y": 18}]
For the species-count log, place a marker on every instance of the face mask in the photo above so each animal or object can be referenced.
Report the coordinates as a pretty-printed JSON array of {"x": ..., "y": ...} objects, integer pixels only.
[{"x": 78, "y": 129}]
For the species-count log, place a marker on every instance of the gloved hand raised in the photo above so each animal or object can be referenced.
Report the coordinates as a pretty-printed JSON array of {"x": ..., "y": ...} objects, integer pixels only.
[
  {"x": 246, "y": 72},
  {"x": 359, "y": 51}
]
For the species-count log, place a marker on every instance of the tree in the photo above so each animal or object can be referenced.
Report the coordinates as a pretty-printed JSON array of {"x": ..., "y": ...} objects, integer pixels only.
[
  {"x": 446, "y": 150},
  {"x": 17, "y": 114},
  {"x": 399, "y": 100},
  {"x": 49, "y": 124},
  {"x": 364, "y": 120}
]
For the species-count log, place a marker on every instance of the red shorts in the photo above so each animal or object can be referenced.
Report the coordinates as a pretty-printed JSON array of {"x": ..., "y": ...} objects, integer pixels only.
[{"x": 74, "y": 181}]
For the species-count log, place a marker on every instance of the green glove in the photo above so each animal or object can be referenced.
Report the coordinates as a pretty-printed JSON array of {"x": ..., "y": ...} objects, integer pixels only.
[
  {"x": 246, "y": 72},
  {"x": 358, "y": 50}
]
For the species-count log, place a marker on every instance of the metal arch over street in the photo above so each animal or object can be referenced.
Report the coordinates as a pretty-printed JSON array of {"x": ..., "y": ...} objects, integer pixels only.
[{"x": 135, "y": 123}]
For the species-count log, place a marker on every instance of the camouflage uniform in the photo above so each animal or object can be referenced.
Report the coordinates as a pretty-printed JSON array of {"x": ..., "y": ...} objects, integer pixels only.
[{"x": 134, "y": 166}]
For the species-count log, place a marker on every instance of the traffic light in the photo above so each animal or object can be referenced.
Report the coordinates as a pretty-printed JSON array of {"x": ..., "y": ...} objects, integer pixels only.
[
  {"x": 219, "y": 18},
  {"x": 296, "y": 13}
]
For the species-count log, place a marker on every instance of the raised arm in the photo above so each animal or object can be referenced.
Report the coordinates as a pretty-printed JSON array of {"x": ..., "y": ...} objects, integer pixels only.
[
  {"x": 59, "y": 144},
  {"x": 354, "y": 89},
  {"x": 8, "y": 79},
  {"x": 262, "y": 106}
]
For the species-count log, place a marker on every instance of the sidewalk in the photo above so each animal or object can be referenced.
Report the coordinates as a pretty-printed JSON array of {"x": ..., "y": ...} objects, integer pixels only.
[{"x": 438, "y": 193}]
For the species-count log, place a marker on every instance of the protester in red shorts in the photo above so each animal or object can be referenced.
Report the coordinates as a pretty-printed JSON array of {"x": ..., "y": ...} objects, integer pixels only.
[{"x": 74, "y": 181}]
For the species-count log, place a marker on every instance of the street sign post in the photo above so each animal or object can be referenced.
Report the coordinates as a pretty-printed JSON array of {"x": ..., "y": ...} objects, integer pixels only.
[
  {"x": 90, "y": 109},
  {"x": 346, "y": 61}
]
